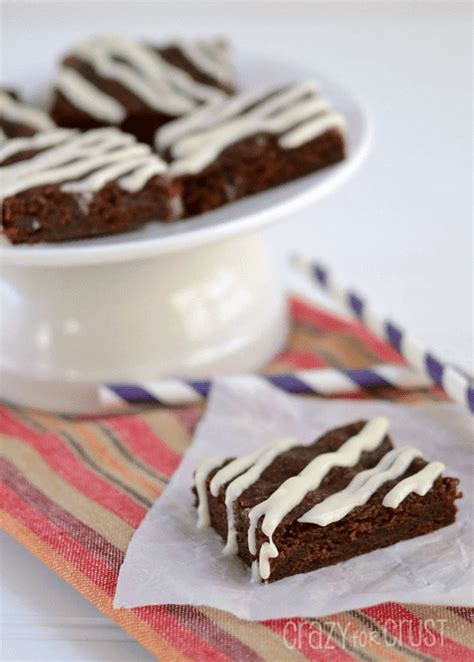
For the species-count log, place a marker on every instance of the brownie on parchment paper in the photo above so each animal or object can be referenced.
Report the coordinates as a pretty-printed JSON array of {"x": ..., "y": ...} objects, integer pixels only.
[{"x": 292, "y": 508}]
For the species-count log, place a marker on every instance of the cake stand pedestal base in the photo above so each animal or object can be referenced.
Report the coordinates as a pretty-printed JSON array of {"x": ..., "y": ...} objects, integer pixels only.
[{"x": 210, "y": 310}]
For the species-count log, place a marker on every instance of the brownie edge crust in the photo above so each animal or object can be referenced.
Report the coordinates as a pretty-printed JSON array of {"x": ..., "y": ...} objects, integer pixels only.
[{"x": 383, "y": 496}]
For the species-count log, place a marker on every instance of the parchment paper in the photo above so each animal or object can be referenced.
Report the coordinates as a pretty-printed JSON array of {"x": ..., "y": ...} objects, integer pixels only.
[{"x": 170, "y": 561}]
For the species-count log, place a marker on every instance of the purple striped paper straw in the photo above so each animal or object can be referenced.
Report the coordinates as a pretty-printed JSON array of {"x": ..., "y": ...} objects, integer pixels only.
[
  {"x": 455, "y": 383},
  {"x": 322, "y": 381}
]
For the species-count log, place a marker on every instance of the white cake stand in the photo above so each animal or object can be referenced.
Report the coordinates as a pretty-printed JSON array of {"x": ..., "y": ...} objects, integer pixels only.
[{"x": 194, "y": 298}]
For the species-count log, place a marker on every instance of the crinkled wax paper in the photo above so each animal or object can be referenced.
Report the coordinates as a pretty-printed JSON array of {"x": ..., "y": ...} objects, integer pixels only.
[{"x": 169, "y": 560}]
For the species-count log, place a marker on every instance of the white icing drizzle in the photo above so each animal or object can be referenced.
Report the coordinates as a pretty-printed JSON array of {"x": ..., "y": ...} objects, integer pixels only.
[
  {"x": 261, "y": 118},
  {"x": 88, "y": 98},
  {"x": 296, "y": 114},
  {"x": 139, "y": 68},
  {"x": 362, "y": 487},
  {"x": 209, "y": 57},
  {"x": 309, "y": 130},
  {"x": 39, "y": 141},
  {"x": 81, "y": 162},
  {"x": 255, "y": 573},
  {"x": 22, "y": 113},
  {"x": 141, "y": 173},
  {"x": 420, "y": 483},
  {"x": 293, "y": 490},
  {"x": 205, "y": 116},
  {"x": 238, "y": 475},
  {"x": 200, "y": 478},
  {"x": 243, "y": 481},
  {"x": 231, "y": 470}
]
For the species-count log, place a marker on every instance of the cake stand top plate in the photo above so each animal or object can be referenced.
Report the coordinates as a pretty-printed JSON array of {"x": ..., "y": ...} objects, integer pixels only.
[{"x": 239, "y": 217}]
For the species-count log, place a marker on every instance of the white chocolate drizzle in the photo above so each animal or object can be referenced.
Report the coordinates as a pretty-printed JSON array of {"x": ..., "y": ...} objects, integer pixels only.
[
  {"x": 419, "y": 483},
  {"x": 255, "y": 573},
  {"x": 37, "y": 142},
  {"x": 231, "y": 470},
  {"x": 204, "y": 117},
  {"x": 142, "y": 71},
  {"x": 248, "y": 478},
  {"x": 361, "y": 488},
  {"x": 200, "y": 477},
  {"x": 293, "y": 490},
  {"x": 238, "y": 475},
  {"x": 296, "y": 114},
  {"x": 19, "y": 112},
  {"x": 80, "y": 162},
  {"x": 88, "y": 98},
  {"x": 210, "y": 57}
]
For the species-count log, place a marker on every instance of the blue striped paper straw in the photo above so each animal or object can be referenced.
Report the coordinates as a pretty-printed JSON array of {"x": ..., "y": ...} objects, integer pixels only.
[
  {"x": 455, "y": 383},
  {"x": 322, "y": 381}
]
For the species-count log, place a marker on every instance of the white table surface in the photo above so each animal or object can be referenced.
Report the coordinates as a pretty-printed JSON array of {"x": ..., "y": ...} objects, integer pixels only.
[{"x": 400, "y": 231}]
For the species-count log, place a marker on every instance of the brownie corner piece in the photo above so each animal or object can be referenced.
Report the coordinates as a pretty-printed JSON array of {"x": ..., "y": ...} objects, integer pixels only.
[
  {"x": 292, "y": 508},
  {"x": 251, "y": 142},
  {"x": 60, "y": 185}
]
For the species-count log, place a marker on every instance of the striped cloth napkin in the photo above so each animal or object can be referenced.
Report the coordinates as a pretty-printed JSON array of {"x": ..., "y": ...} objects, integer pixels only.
[{"x": 73, "y": 491}]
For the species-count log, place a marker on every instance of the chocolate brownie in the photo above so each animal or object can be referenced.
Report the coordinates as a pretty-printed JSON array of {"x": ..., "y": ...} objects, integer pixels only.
[
  {"x": 18, "y": 118},
  {"x": 63, "y": 184},
  {"x": 112, "y": 80},
  {"x": 250, "y": 142},
  {"x": 291, "y": 508}
]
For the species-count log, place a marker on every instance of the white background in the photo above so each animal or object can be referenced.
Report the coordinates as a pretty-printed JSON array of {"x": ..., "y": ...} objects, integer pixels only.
[{"x": 400, "y": 231}]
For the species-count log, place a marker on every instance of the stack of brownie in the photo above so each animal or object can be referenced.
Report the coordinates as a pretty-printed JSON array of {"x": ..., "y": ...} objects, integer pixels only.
[{"x": 137, "y": 133}]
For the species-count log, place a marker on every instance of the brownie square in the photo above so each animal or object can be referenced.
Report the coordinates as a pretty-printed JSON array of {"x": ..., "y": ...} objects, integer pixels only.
[
  {"x": 249, "y": 143},
  {"x": 61, "y": 184},
  {"x": 289, "y": 508},
  {"x": 113, "y": 80}
]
